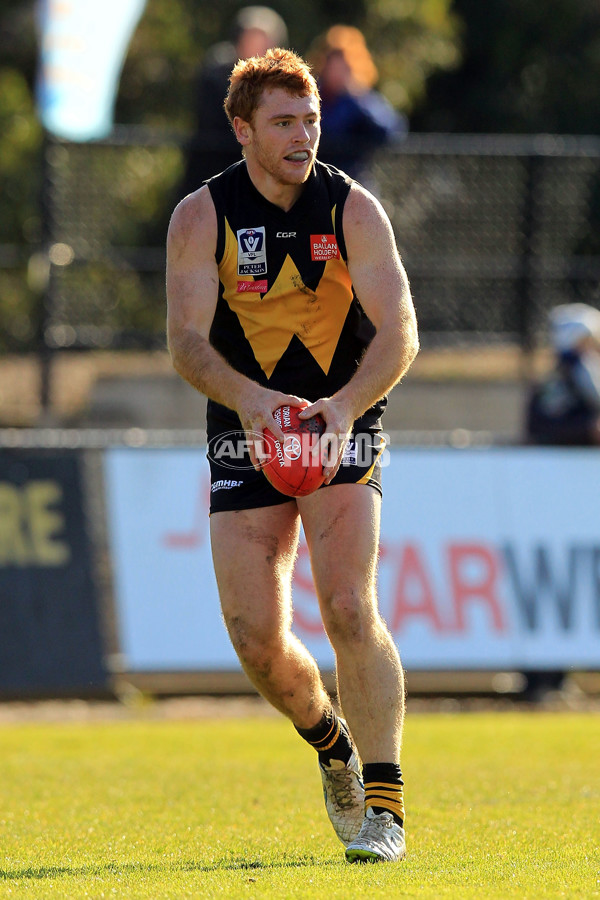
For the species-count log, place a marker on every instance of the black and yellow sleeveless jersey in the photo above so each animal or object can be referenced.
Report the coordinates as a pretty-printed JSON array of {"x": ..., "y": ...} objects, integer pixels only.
[{"x": 287, "y": 315}]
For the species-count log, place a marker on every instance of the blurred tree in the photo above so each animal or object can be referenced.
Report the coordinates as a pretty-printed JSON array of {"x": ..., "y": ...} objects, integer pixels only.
[
  {"x": 527, "y": 67},
  {"x": 20, "y": 218},
  {"x": 410, "y": 41},
  {"x": 20, "y": 131}
]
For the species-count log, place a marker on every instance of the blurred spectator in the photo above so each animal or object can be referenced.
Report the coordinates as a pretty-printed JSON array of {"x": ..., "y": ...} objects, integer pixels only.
[
  {"x": 564, "y": 409},
  {"x": 355, "y": 118},
  {"x": 213, "y": 147}
]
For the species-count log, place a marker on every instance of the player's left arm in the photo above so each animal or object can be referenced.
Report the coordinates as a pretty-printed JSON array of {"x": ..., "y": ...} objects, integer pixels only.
[{"x": 382, "y": 287}]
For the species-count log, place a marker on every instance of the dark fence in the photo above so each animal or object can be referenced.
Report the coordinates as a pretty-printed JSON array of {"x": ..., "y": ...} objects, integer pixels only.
[
  {"x": 494, "y": 230},
  {"x": 108, "y": 206}
]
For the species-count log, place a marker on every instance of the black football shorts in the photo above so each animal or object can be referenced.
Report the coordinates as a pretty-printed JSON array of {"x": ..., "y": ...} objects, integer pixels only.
[{"x": 235, "y": 484}]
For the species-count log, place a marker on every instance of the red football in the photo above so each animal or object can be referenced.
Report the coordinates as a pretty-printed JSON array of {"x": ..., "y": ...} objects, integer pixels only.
[{"x": 292, "y": 468}]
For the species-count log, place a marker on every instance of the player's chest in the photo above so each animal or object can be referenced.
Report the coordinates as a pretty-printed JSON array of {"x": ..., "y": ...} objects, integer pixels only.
[{"x": 262, "y": 250}]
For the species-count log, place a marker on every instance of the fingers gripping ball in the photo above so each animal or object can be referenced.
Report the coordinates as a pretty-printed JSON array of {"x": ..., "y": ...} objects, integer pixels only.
[{"x": 292, "y": 468}]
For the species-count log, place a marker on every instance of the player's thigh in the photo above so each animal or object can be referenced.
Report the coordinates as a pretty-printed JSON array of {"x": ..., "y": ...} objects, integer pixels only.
[
  {"x": 253, "y": 554},
  {"x": 342, "y": 525}
]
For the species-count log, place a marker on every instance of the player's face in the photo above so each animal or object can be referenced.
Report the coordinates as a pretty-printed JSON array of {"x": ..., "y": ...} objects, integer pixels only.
[{"x": 284, "y": 136}]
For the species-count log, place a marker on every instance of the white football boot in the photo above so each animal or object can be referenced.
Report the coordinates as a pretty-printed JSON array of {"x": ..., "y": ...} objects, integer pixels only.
[
  {"x": 344, "y": 795},
  {"x": 380, "y": 839}
]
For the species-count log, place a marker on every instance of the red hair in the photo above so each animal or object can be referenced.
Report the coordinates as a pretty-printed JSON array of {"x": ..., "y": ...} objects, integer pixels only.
[{"x": 276, "y": 69}]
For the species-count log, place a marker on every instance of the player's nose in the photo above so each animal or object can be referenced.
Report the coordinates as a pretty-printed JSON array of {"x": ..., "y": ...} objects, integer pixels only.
[{"x": 302, "y": 134}]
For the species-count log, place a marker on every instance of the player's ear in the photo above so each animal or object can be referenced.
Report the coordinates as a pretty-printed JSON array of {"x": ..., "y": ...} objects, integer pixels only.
[{"x": 243, "y": 130}]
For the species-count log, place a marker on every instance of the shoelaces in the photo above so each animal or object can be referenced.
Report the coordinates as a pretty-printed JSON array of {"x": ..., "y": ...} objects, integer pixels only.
[
  {"x": 372, "y": 829},
  {"x": 341, "y": 787}
]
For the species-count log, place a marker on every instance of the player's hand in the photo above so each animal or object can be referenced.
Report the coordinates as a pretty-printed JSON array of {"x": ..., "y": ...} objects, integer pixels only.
[
  {"x": 256, "y": 413},
  {"x": 338, "y": 427}
]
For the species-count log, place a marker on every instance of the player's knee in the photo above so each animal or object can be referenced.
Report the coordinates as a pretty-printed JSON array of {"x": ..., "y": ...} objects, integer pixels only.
[
  {"x": 348, "y": 617},
  {"x": 254, "y": 642}
]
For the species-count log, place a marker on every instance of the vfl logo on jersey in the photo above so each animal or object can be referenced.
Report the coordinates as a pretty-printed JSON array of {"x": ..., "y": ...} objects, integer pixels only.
[
  {"x": 323, "y": 247},
  {"x": 252, "y": 254}
]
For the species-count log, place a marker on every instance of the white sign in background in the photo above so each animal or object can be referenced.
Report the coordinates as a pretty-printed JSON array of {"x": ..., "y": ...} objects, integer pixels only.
[
  {"x": 82, "y": 49},
  {"x": 489, "y": 559}
]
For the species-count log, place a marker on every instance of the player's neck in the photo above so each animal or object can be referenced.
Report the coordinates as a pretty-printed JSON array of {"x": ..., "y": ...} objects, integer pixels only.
[{"x": 282, "y": 195}]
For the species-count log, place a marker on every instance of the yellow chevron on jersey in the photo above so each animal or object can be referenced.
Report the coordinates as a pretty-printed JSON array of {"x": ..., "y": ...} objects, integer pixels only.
[{"x": 270, "y": 320}]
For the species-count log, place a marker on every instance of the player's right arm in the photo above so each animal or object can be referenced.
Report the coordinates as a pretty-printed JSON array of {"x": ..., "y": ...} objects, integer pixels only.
[{"x": 192, "y": 293}]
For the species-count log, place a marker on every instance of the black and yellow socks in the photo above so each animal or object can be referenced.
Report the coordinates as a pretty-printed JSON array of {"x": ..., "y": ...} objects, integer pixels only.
[
  {"x": 329, "y": 738},
  {"x": 384, "y": 789},
  {"x": 383, "y": 781}
]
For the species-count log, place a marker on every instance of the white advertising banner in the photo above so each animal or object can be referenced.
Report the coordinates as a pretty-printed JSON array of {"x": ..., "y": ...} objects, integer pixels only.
[
  {"x": 490, "y": 559},
  {"x": 83, "y": 46}
]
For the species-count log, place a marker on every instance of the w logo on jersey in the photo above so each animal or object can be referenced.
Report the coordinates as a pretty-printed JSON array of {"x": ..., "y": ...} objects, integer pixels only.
[{"x": 252, "y": 256}]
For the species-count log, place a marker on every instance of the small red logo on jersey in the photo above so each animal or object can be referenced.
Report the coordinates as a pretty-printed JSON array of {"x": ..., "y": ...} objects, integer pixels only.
[
  {"x": 253, "y": 287},
  {"x": 323, "y": 247}
]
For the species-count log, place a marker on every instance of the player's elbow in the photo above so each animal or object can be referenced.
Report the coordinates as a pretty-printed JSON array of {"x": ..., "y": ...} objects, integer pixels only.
[
  {"x": 409, "y": 332},
  {"x": 412, "y": 345},
  {"x": 178, "y": 345},
  {"x": 173, "y": 339},
  {"x": 406, "y": 346}
]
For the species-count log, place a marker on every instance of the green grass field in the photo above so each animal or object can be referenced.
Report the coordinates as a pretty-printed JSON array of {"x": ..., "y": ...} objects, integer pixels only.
[{"x": 499, "y": 805}]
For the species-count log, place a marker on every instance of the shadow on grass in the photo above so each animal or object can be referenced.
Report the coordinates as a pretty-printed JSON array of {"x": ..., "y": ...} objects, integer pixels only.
[{"x": 41, "y": 872}]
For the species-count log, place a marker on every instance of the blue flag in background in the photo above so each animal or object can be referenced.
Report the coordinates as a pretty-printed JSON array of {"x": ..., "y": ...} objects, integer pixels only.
[{"x": 83, "y": 47}]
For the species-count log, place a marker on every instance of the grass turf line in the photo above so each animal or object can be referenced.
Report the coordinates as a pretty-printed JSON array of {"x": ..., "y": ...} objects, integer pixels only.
[{"x": 498, "y": 806}]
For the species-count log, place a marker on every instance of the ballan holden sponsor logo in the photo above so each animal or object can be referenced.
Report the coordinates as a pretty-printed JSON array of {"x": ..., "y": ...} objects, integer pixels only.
[
  {"x": 324, "y": 247},
  {"x": 252, "y": 253}
]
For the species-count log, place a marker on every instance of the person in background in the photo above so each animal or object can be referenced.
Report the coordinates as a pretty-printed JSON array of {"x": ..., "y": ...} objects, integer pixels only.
[
  {"x": 356, "y": 120},
  {"x": 564, "y": 408},
  {"x": 214, "y": 147}
]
